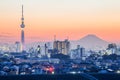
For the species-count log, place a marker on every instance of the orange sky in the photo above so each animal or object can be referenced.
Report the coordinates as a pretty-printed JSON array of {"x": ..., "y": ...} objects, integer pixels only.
[{"x": 73, "y": 18}]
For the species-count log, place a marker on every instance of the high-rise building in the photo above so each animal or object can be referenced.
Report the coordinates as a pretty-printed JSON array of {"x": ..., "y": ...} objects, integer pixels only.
[
  {"x": 62, "y": 46},
  {"x": 112, "y": 48},
  {"x": 18, "y": 46},
  {"x": 38, "y": 51},
  {"x": 46, "y": 49},
  {"x": 78, "y": 53},
  {"x": 22, "y": 32}
]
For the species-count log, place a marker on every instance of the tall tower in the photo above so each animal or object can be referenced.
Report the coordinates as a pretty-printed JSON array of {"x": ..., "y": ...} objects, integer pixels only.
[{"x": 22, "y": 32}]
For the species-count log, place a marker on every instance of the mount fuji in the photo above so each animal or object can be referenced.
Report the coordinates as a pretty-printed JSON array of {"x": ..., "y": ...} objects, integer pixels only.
[{"x": 90, "y": 42}]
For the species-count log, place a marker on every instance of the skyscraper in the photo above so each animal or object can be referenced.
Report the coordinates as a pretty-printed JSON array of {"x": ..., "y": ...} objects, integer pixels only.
[
  {"x": 78, "y": 53},
  {"x": 62, "y": 46},
  {"x": 18, "y": 46},
  {"x": 22, "y": 32}
]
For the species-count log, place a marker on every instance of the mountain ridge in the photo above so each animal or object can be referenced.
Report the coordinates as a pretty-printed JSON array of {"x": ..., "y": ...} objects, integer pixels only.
[{"x": 90, "y": 42}]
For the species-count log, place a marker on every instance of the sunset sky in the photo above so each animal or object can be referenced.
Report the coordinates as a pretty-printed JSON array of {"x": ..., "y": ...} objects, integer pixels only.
[{"x": 72, "y": 18}]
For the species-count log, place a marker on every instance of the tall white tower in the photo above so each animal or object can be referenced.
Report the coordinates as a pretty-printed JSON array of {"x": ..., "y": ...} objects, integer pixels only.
[{"x": 22, "y": 32}]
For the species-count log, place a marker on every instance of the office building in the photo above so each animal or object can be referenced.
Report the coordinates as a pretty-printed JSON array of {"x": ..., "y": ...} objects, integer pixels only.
[{"x": 62, "y": 46}]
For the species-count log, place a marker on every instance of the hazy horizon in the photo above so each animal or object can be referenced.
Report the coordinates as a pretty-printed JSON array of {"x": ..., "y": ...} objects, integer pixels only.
[{"x": 63, "y": 18}]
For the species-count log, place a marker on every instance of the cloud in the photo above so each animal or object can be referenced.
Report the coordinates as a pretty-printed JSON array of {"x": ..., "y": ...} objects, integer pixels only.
[
  {"x": 6, "y": 35},
  {"x": 34, "y": 38}
]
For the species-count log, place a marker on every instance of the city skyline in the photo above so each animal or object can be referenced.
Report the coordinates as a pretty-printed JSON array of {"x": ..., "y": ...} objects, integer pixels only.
[{"x": 63, "y": 18}]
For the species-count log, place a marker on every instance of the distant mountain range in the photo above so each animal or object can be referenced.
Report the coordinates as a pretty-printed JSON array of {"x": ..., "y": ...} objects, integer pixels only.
[{"x": 90, "y": 42}]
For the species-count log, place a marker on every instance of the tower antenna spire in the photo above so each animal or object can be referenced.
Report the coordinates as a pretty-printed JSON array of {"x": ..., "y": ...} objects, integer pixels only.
[
  {"x": 22, "y": 19},
  {"x": 22, "y": 11}
]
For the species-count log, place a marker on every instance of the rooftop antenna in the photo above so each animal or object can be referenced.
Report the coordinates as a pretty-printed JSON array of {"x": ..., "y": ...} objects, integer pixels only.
[
  {"x": 67, "y": 37},
  {"x": 54, "y": 37}
]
